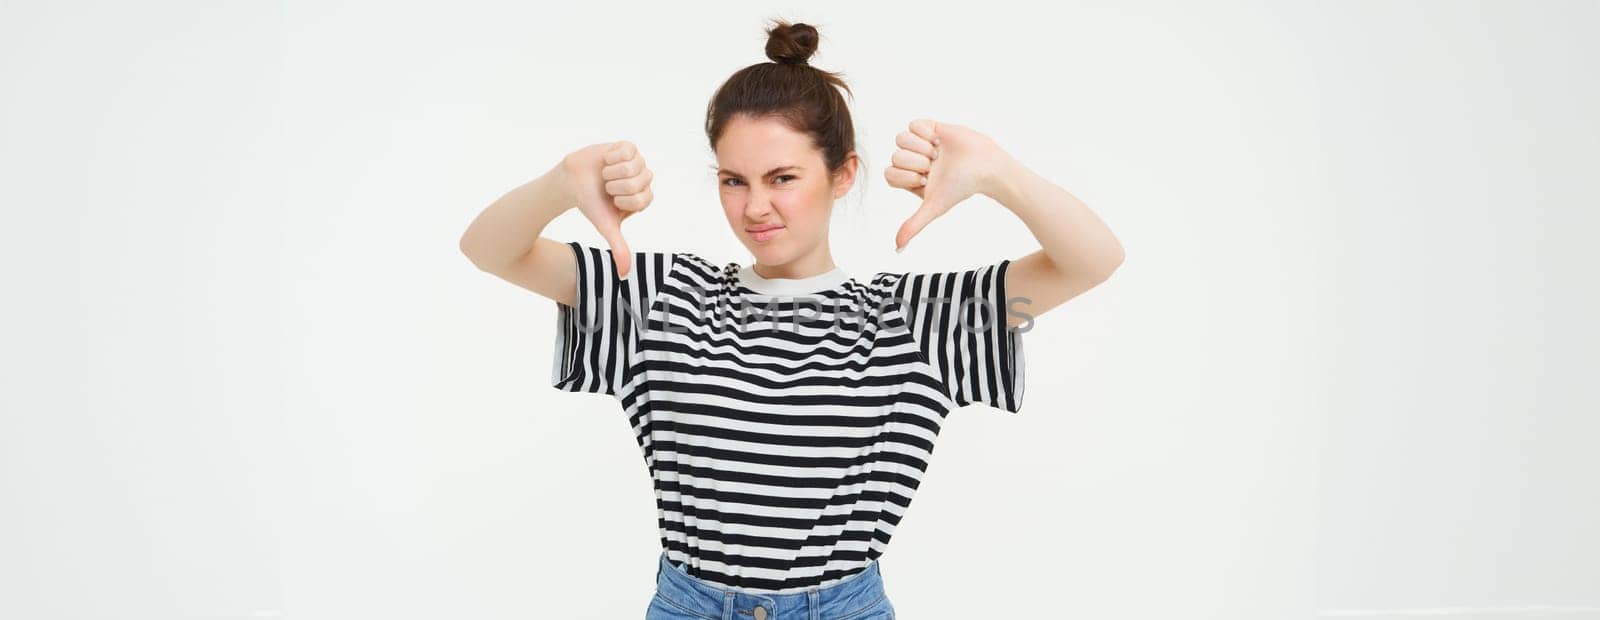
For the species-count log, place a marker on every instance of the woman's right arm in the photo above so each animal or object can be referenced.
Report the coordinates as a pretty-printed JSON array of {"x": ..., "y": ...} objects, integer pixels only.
[
  {"x": 505, "y": 238},
  {"x": 607, "y": 182}
]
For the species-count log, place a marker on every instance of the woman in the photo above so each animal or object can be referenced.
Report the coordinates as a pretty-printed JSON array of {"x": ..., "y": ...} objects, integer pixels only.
[{"x": 786, "y": 411}]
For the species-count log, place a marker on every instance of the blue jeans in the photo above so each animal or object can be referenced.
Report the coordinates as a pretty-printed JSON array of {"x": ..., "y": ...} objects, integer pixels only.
[{"x": 680, "y": 596}]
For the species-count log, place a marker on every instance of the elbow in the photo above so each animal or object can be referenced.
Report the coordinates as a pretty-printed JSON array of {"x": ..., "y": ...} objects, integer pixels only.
[
  {"x": 469, "y": 248},
  {"x": 1110, "y": 261},
  {"x": 465, "y": 245}
]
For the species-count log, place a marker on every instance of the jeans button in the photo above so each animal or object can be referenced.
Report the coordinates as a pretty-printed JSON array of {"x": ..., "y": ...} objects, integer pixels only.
[{"x": 760, "y": 612}]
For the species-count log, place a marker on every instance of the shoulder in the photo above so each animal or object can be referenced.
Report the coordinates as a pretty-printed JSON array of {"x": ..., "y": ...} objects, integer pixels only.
[
  {"x": 696, "y": 262},
  {"x": 885, "y": 282},
  {"x": 875, "y": 289},
  {"x": 695, "y": 259},
  {"x": 700, "y": 271}
]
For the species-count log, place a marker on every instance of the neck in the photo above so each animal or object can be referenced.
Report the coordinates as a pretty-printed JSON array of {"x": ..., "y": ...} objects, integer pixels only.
[
  {"x": 803, "y": 267},
  {"x": 777, "y": 285}
]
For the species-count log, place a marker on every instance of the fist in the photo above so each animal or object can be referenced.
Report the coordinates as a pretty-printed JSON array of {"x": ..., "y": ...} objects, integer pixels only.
[
  {"x": 609, "y": 182},
  {"x": 943, "y": 164}
]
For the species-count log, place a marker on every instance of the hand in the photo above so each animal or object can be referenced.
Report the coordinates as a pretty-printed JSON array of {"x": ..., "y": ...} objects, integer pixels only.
[
  {"x": 609, "y": 182},
  {"x": 943, "y": 164}
]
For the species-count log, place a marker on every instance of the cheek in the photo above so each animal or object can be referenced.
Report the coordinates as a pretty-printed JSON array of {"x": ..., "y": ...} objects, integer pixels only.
[
  {"x": 792, "y": 211},
  {"x": 732, "y": 208},
  {"x": 803, "y": 208}
]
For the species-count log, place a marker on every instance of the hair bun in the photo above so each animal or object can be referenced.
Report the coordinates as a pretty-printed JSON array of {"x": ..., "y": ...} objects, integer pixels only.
[{"x": 791, "y": 44}]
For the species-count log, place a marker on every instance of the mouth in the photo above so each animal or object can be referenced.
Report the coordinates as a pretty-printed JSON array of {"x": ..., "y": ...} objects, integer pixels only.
[{"x": 765, "y": 233}]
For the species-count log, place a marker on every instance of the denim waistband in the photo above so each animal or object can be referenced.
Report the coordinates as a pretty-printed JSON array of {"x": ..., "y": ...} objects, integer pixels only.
[{"x": 842, "y": 598}]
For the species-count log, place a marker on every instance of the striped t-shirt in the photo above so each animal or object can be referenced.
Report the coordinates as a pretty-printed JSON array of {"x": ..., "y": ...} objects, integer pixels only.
[{"x": 785, "y": 448}]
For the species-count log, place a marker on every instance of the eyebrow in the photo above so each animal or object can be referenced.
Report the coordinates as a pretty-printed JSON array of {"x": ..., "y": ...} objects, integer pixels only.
[{"x": 768, "y": 174}]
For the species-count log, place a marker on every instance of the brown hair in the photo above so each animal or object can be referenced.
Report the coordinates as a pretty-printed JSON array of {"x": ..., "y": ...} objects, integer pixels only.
[{"x": 791, "y": 90}]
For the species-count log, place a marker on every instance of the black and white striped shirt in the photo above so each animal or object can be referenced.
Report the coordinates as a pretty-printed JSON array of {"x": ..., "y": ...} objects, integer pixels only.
[{"x": 784, "y": 449}]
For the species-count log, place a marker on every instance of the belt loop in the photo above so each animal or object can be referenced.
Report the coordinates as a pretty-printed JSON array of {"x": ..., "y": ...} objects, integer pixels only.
[
  {"x": 816, "y": 606},
  {"x": 727, "y": 605}
]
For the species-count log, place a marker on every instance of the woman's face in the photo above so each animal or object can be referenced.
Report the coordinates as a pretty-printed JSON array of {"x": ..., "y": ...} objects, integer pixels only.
[{"x": 776, "y": 190}]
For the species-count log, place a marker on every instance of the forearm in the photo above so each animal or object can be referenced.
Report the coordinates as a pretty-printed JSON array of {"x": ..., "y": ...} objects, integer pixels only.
[
  {"x": 508, "y": 228},
  {"x": 1077, "y": 242}
]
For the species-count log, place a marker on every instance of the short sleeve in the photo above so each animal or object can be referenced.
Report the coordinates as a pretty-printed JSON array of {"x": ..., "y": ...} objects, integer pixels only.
[
  {"x": 958, "y": 320},
  {"x": 596, "y": 339}
]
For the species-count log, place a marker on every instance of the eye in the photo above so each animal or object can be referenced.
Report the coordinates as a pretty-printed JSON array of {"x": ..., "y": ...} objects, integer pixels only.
[
  {"x": 786, "y": 176},
  {"x": 730, "y": 180}
]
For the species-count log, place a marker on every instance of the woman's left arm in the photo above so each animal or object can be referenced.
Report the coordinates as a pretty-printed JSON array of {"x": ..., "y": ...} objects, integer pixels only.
[
  {"x": 944, "y": 164},
  {"x": 1077, "y": 252}
]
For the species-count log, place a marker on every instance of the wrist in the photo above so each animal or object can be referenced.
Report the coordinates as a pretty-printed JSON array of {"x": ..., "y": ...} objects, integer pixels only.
[
  {"x": 558, "y": 181},
  {"x": 1003, "y": 179}
]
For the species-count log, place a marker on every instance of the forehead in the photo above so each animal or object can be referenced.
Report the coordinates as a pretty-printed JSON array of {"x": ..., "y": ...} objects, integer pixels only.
[{"x": 753, "y": 146}]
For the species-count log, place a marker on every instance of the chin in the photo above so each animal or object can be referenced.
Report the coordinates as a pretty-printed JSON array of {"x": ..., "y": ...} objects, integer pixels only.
[{"x": 766, "y": 254}]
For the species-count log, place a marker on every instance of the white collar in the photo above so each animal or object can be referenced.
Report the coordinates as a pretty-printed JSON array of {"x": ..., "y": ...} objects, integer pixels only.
[{"x": 791, "y": 286}]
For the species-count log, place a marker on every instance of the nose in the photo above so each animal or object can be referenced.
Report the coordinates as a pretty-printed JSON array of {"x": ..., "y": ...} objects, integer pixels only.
[{"x": 757, "y": 207}]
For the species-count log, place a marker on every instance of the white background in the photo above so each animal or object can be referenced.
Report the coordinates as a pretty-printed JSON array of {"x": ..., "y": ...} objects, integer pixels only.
[{"x": 1347, "y": 369}]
